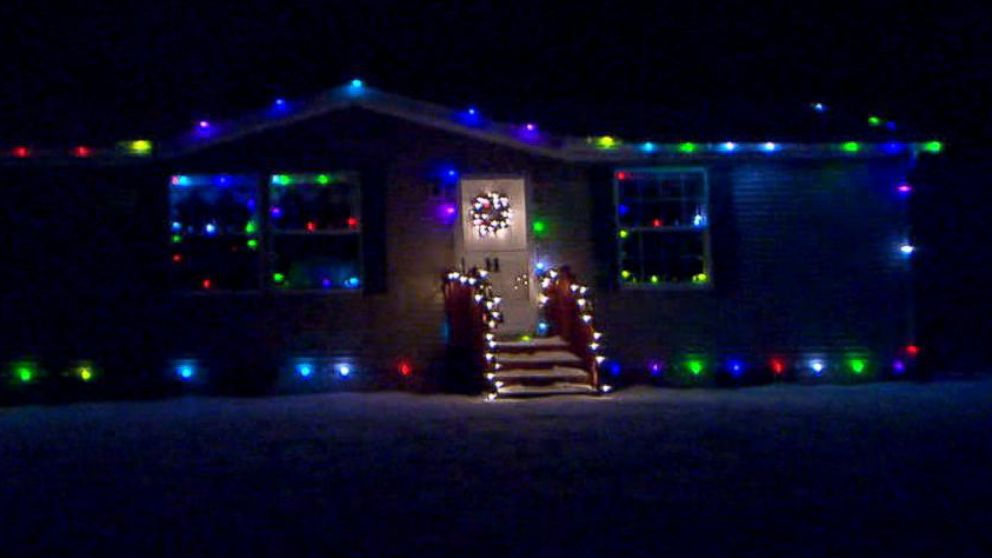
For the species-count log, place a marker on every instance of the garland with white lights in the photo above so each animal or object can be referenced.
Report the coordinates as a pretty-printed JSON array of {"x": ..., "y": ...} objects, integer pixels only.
[
  {"x": 484, "y": 296},
  {"x": 551, "y": 285},
  {"x": 491, "y": 213}
]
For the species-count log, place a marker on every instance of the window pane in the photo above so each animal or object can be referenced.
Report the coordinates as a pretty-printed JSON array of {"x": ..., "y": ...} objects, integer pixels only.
[
  {"x": 317, "y": 262},
  {"x": 314, "y": 202},
  {"x": 215, "y": 263},
  {"x": 672, "y": 257},
  {"x": 214, "y": 231}
]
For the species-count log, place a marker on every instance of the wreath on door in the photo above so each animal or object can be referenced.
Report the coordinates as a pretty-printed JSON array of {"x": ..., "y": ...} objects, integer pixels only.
[{"x": 491, "y": 213}]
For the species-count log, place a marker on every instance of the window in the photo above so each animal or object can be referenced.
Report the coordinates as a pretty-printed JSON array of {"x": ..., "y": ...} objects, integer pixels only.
[
  {"x": 214, "y": 231},
  {"x": 663, "y": 227},
  {"x": 312, "y": 233},
  {"x": 316, "y": 231}
]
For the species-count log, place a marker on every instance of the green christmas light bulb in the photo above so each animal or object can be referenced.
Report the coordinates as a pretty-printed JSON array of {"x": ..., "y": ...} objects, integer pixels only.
[{"x": 695, "y": 366}]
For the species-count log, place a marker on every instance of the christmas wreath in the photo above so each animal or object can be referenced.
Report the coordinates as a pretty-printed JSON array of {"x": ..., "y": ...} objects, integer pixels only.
[{"x": 491, "y": 213}]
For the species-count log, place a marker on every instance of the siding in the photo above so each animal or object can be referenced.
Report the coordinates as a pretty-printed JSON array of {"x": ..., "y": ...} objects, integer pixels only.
[{"x": 805, "y": 260}]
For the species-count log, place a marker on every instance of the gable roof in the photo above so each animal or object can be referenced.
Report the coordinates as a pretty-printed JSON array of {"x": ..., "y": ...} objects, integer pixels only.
[{"x": 470, "y": 123}]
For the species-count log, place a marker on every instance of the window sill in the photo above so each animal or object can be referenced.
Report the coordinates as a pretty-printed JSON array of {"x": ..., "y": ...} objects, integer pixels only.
[{"x": 669, "y": 287}]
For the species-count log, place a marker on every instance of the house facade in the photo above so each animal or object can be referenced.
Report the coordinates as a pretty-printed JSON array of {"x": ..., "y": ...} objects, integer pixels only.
[{"x": 311, "y": 240}]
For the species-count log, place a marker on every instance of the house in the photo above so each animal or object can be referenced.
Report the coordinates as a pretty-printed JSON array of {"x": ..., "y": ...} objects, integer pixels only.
[{"x": 314, "y": 237}]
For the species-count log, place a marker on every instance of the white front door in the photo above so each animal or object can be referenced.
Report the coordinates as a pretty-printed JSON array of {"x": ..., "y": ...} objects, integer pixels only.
[{"x": 493, "y": 236}]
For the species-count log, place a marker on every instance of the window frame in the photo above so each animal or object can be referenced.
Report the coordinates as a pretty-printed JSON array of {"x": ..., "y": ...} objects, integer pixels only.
[
  {"x": 705, "y": 231},
  {"x": 271, "y": 233},
  {"x": 266, "y": 253}
]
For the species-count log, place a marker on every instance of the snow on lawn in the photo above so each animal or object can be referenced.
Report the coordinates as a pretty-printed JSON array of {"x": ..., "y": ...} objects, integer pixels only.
[{"x": 878, "y": 469}]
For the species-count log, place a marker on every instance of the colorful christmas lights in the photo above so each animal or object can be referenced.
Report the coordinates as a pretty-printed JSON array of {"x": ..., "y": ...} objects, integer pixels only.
[
  {"x": 606, "y": 142},
  {"x": 695, "y": 366},
  {"x": 140, "y": 147},
  {"x": 735, "y": 367},
  {"x": 81, "y": 152},
  {"x": 777, "y": 366},
  {"x": 185, "y": 371},
  {"x": 817, "y": 366},
  {"x": 898, "y": 367},
  {"x": 25, "y": 372}
]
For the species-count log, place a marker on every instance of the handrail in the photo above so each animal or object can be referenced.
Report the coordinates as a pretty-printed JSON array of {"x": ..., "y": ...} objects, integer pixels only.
[
  {"x": 569, "y": 312},
  {"x": 473, "y": 313}
]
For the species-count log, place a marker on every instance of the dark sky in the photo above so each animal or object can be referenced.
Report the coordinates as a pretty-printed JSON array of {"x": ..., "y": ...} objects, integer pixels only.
[{"x": 95, "y": 73}]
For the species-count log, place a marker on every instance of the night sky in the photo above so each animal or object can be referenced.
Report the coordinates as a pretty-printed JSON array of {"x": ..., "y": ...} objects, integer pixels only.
[{"x": 96, "y": 73}]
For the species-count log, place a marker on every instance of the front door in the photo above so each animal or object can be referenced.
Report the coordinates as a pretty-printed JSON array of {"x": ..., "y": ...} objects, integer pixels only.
[{"x": 493, "y": 236}]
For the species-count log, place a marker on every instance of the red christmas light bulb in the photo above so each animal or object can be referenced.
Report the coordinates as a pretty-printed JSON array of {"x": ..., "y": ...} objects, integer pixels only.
[
  {"x": 207, "y": 283},
  {"x": 777, "y": 366},
  {"x": 82, "y": 151},
  {"x": 352, "y": 222},
  {"x": 21, "y": 152}
]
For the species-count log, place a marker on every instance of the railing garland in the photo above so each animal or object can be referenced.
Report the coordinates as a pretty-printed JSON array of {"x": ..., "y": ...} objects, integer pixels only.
[
  {"x": 473, "y": 325},
  {"x": 569, "y": 309}
]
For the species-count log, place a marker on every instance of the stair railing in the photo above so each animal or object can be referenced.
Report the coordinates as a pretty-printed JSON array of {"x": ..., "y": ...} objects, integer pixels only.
[
  {"x": 473, "y": 313},
  {"x": 569, "y": 313}
]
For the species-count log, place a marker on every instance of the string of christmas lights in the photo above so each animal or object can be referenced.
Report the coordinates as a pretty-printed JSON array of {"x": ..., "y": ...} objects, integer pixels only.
[{"x": 605, "y": 147}]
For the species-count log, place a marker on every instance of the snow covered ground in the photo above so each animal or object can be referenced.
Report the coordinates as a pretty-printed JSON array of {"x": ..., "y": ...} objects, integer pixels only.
[{"x": 882, "y": 469}]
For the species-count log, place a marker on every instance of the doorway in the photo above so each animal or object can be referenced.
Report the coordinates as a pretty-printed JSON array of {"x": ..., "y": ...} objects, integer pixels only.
[{"x": 493, "y": 235}]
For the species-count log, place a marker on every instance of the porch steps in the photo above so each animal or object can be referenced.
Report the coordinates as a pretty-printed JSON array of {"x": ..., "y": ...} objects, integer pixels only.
[{"x": 538, "y": 367}]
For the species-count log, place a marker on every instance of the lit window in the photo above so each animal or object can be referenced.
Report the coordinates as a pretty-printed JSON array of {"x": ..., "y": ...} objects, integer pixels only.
[
  {"x": 316, "y": 231},
  {"x": 662, "y": 227}
]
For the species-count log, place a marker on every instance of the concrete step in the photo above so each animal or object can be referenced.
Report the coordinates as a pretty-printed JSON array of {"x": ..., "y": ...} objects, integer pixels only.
[
  {"x": 559, "y": 388},
  {"x": 535, "y": 344},
  {"x": 556, "y": 373},
  {"x": 538, "y": 359}
]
